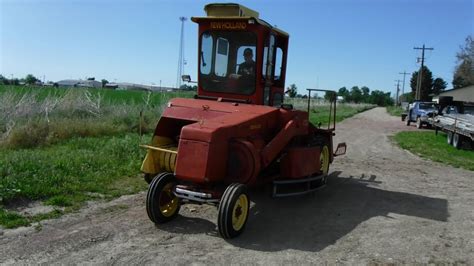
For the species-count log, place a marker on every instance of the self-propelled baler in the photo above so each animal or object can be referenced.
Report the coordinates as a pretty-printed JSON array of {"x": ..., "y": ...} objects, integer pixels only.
[{"x": 236, "y": 132}]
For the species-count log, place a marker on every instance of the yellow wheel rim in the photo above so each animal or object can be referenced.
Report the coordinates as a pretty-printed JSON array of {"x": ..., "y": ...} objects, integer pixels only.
[
  {"x": 168, "y": 202},
  {"x": 239, "y": 213},
  {"x": 324, "y": 160}
]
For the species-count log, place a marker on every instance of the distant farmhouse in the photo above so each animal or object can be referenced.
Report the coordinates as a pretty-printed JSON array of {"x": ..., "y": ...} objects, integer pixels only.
[
  {"x": 79, "y": 83},
  {"x": 74, "y": 83},
  {"x": 138, "y": 87}
]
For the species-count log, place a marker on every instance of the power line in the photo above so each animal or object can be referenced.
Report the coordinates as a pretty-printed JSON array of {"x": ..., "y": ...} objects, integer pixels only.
[
  {"x": 398, "y": 91},
  {"x": 403, "y": 84},
  {"x": 420, "y": 73},
  {"x": 181, "y": 54}
]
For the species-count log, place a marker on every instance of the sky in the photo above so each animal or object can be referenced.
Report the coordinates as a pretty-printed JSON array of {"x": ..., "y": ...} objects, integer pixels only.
[{"x": 333, "y": 43}]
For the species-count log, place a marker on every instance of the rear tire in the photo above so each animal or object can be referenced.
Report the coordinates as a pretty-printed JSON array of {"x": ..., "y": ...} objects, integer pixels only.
[
  {"x": 449, "y": 137},
  {"x": 233, "y": 211},
  {"x": 457, "y": 140},
  {"x": 161, "y": 204}
]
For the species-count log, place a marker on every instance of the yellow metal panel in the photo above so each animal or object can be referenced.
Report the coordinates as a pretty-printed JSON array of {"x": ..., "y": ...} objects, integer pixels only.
[
  {"x": 258, "y": 21},
  {"x": 229, "y": 9},
  {"x": 160, "y": 156}
]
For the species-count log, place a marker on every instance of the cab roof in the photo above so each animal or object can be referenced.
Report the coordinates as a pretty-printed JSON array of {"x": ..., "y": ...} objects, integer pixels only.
[{"x": 232, "y": 11}]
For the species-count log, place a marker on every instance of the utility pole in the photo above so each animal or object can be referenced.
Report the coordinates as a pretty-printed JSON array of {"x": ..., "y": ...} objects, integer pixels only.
[
  {"x": 403, "y": 85},
  {"x": 420, "y": 73},
  {"x": 181, "y": 54},
  {"x": 398, "y": 91}
]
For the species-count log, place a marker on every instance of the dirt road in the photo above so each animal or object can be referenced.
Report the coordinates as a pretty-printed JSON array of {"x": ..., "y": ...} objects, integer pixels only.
[{"x": 382, "y": 204}]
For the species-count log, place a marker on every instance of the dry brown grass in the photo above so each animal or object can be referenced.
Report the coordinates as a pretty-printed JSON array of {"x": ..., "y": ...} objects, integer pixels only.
[{"x": 28, "y": 120}]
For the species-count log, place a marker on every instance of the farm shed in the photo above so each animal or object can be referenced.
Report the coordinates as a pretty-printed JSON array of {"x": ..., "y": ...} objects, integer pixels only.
[
  {"x": 465, "y": 94},
  {"x": 79, "y": 83}
]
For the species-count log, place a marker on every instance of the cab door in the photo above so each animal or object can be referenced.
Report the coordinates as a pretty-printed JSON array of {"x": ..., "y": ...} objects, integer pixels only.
[{"x": 274, "y": 67}]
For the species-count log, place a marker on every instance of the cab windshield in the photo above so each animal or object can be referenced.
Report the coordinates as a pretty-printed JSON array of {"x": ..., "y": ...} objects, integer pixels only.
[
  {"x": 427, "y": 106},
  {"x": 227, "y": 62}
]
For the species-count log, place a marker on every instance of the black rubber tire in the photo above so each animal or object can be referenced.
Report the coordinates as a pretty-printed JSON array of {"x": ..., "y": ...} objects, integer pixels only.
[
  {"x": 457, "y": 140},
  {"x": 225, "y": 210},
  {"x": 419, "y": 124},
  {"x": 153, "y": 197},
  {"x": 449, "y": 137},
  {"x": 407, "y": 119},
  {"x": 324, "y": 180},
  {"x": 148, "y": 178}
]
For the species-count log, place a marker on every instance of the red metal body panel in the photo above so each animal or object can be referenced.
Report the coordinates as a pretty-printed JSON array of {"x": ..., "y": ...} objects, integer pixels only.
[
  {"x": 300, "y": 162},
  {"x": 204, "y": 140},
  {"x": 221, "y": 141}
]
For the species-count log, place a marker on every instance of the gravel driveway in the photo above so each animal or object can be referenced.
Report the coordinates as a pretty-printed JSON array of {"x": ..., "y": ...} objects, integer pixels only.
[{"x": 382, "y": 205}]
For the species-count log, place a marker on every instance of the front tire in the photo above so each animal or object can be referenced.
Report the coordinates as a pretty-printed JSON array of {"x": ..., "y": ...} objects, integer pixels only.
[
  {"x": 148, "y": 178},
  {"x": 233, "y": 211},
  {"x": 407, "y": 119},
  {"x": 161, "y": 204},
  {"x": 324, "y": 163},
  {"x": 419, "y": 124}
]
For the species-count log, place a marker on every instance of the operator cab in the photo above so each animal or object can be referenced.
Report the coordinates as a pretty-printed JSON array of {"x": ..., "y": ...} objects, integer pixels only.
[{"x": 241, "y": 57}]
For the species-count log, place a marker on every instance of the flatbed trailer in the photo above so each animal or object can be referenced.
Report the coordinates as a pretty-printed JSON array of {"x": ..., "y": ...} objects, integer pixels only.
[{"x": 458, "y": 127}]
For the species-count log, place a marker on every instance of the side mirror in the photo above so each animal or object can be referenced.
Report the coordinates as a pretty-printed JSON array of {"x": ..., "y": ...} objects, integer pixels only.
[
  {"x": 341, "y": 149},
  {"x": 186, "y": 78}
]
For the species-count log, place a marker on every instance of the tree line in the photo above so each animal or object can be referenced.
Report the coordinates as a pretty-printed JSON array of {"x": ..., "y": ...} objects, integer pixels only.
[
  {"x": 363, "y": 95},
  {"x": 29, "y": 79},
  {"x": 354, "y": 95}
]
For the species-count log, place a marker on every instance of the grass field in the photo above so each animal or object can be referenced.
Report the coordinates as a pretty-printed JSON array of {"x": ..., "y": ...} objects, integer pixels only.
[
  {"x": 395, "y": 110},
  {"x": 69, "y": 173},
  {"x": 434, "y": 147},
  {"x": 320, "y": 110},
  {"x": 320, "y": 113},
  {"x": 64, "y": 147},
  {"x": 108, "y": 96}
]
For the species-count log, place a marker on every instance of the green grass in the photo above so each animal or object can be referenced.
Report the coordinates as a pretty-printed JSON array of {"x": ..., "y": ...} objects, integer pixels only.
[
  {"x": 434, "y": 147},
  {"x": 395, "y": 110},
  {"x": 69, "y": 173},
  {"x": 12, "y": 219},
  {"x": 129, "y": 97},
  {"x": 320, "y": 113}
]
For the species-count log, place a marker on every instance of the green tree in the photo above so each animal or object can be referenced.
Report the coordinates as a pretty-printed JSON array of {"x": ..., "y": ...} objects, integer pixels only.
[
  {"x": 407, "y": 97},
  {"x": 292, "y": 91},
  {"x": 426, "y": 83},
  {"x": 365, "y": 94},
  {"x": 356, "y": 94},
  {"x": 104, "y": 82},
  {"x": 3, "y": 80},
  {"x": 91, "y": 78},
  {"x": 30, "y": 79},
  {"x": 344, "y": 93},
  {"x": 463, "y": 72},
  {"x": 439, "y": 85},
  {"x": 380, "y": 98},
  {"x": 330, "y": 96}
]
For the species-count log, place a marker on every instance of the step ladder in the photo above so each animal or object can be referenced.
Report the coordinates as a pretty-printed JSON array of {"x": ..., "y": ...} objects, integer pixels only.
[{"x": 294, "y": 187}]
